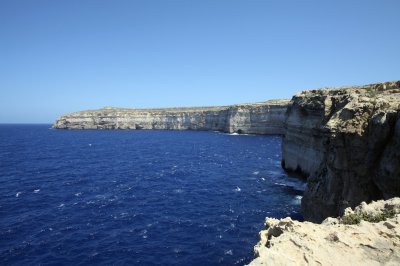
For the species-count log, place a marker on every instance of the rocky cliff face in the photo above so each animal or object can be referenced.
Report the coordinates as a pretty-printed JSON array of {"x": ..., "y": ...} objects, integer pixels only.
[
  {"x": 258, "y": 118},
  {"x": 346, "y": 141},
  {"x": 369, "y": 235}
]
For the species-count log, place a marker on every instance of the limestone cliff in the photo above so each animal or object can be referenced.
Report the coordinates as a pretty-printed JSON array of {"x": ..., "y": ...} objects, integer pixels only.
[
  {"x": 258, "y": 118},
  {"x": 369, "y": 235},
  {"x": 346, "y": 141}
]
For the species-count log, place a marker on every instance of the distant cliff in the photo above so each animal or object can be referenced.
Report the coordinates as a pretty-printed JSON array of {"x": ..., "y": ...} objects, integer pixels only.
[
  {"x": 258, "y": 118},
  {"x": 346, "y": 141}
]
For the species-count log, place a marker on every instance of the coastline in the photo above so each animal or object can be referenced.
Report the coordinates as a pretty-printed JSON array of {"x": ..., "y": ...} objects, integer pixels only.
[
  {"x": 345, "y": 141},
  {"x": 259, "y": 118}
]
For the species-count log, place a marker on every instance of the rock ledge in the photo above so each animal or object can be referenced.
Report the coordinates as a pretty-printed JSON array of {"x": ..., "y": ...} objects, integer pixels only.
[{"x": 288, "y": 242}]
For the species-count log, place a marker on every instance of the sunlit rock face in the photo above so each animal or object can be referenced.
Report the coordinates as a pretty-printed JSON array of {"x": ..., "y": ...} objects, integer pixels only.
[
  {"x": 258, "y": 118},
  {"x": 346, "y": 141}
]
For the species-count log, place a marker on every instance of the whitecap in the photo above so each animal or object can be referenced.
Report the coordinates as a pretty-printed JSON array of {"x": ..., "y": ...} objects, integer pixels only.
[
  {"x": 262, "y": 178},
  {"x": 177, "y": 250},
  {"x": 143, "y": 233},
  {"x": 256, "y": 173},
  {"x": 234, "y": 134},
  {"x": 238, "y": 189},
  {"x": 297, "y": 200},
  {"x": 90, "y": 144},
  {"x": 94, "y": 254},
  {"x": 240, "y": 261},
  {"x": 18, "y": 193},
  {"x": 36, "y": 191},
  {"x": 229, "y": 252},
  {"x": 61, "y": 205},
  {"x": 280, "y": 184},
  {"x": 78, "y": 194}
]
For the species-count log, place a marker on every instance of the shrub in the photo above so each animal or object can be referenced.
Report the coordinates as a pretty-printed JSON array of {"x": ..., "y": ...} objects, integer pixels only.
[
  {"x": 351, "y": 219},
  {"x": 356, "y": 219}
]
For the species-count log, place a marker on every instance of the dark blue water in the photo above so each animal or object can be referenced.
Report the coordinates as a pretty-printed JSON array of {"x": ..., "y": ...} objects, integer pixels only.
[{"x": 137, "y": 197}]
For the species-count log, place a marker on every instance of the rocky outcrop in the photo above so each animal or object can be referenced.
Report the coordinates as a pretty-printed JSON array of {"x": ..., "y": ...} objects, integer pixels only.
[
  {"x": 346, "y": 141},
  {"x": 258, "y": 118},
  {"x": 335, "y": 241}
]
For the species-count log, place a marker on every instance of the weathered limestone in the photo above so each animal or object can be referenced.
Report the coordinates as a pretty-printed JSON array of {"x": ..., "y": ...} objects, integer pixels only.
[
  {"x": 258, "y": 118},
  {"x": 287, "y": 242},
  {"x": 347, "y": 142}
]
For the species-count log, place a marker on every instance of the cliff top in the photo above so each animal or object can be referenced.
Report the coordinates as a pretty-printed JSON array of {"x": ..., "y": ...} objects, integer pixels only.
[
  {"x": 111, "y": 110},
  {"x": 379, "y": 87},
  {"x": 349, "y": 109}
]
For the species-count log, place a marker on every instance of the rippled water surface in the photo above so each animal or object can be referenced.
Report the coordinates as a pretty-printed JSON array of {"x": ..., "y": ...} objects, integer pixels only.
[{"x": 137, "y": 197}]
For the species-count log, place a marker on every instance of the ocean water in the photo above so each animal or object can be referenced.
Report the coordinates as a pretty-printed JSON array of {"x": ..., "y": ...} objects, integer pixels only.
[{"x": 137, "y": 197}]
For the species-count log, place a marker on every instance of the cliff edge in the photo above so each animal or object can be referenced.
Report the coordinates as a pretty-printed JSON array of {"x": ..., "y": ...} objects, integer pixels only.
[
  {"x": 258, "y": 118},
  {"x": 346, "y": 141},
  {"x": 369, "y": 235}
]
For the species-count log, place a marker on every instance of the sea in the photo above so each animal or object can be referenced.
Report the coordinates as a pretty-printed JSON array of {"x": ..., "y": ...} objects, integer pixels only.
[{"x": 88, "y": 197}]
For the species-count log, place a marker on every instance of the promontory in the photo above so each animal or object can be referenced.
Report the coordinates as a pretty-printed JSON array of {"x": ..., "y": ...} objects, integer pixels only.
[{"x": 257, "y": 118}]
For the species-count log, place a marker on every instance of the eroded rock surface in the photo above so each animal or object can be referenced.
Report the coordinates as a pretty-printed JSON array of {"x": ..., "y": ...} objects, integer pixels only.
[
  {"x": 258, "y": 118},
  {"x": 288, "y": 242},
  {"x": 346, "y": 141}
]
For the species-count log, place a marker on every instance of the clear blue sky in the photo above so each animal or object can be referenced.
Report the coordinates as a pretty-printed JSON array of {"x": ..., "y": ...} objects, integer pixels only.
[{"x": 62, "y": 56}]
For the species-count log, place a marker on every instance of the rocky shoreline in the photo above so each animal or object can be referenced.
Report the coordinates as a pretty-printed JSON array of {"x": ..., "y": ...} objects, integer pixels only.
[{"x": 344, "y": 141}]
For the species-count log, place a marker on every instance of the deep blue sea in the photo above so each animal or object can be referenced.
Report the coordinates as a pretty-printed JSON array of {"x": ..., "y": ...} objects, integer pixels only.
[{"x": 137, "y": 197}]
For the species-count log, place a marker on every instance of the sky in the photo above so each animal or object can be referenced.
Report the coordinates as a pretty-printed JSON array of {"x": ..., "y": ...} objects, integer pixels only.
[{"x": 58, "y": 57}]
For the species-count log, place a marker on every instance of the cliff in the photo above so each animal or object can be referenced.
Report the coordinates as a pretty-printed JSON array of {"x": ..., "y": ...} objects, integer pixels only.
[
  {"x": 369, "y": 235},
  {"x": 258, "y": 118},
  {"x": 346, "y": 141}
]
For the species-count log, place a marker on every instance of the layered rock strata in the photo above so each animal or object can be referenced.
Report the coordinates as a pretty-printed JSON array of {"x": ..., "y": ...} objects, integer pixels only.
[
  {"x": 258, "y": 118},
  {"x": 341, "y": 241},
  {"x": 346, "y": 141}
]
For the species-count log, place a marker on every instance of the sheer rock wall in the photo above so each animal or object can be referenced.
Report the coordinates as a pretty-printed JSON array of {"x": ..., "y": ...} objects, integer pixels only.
[
  {"x": 258, "y": 118},
  {"x": 346, "y": 141}
]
